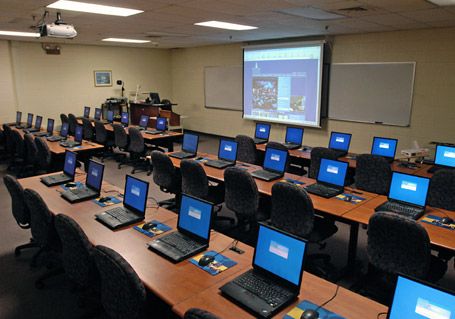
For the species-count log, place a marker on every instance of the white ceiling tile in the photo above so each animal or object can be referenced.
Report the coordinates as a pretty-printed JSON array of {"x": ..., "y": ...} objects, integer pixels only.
[{"x": 430, "y": 15}]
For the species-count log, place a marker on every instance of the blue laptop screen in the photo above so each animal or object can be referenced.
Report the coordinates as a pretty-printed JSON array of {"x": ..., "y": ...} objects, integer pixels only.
[
  {"x": 340, "y": 141},
  {"x": 275, "y": 160},
  {"x": 86, "y": 111},
  {"x": 413, "y": 300},
  {"x": 445, "y": 156},
  {"x": 136, "y": 192},
  {"x": 38, "y": 121},
  {"x": 385, "y": 147},
  {"x": 125, "y": 118},
  {"x": 294, "y": 135},
  {"x": 95, "y": 175},
  {"x": 227, "y": 150},
  {"x": 144, "y": 121},
  {"x": 262, "y": 131},
  {"x": 97, "y": 113},
  {"x": 409, "y": 188},
  {"x": 190, "y": 143},
  {"x": 29, "y": 119},
  {"x": 50, "y": 125},
  {"x": 280, "y": 254},
  {"x": 18, "y": 117},
  {"x": 332, "y": 172},
  {"x": 70, "y": 163},
  {"x": 161, "y": 124},
  {"x": 78, "y": 134},
  {"x": 64, "y": 130},
  {"x": 195, "y": 216},
  {"x": 110, "y": 116}
]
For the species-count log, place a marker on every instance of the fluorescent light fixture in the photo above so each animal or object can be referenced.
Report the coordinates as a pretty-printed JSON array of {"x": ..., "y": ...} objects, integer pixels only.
[
  {"x": 20, "y": 34},
  {"x": 225, "y": 25},
  {"x": 312, "y": 13},
  {"x": 443, "y": 2},
  {"x": 125, "y": 40},
  {"x": 93, "y": 8}
]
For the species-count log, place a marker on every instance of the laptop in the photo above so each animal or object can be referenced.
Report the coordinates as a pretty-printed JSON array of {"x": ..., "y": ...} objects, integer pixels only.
[
  {"x": 37, "y": 128},
  {"x": 330, "y": 179},
  {"x": 18, "y": 119},
  {"x": 143, "y": 122},
  {"x": 193, "y": 231},
  {"x": 294, "y": 138},
  {"x": 384, "y": 147},
  {"x": 125, "y": 120},
  {"x": 92, "y": 187},
  {"x": 274, "y": 164},
  {"x": 97, "y": 114},
  {"x": 77, "y": 138},
  {"x": 262, "y": 133},
  {"x": 227, "y": 154},
  {"x": 161, "y": 126},
  {"x": 49, "y": 129},
  {"x": 69, "y": 171},
  {"x": 63, "y": 134},
  {"x": 340, "y": 142},
  {"x": 87, "y": 112},
  {"x": 110, "y": 116},
  {"x": 416, "y": 299},
  {"x": 189, "y": 146},
  {"x": 407, "y": 195},
  {"x": 134, "y": 205},
  {"x": 444, "y": 158},
  {"x": 155, "y": 98},
  {"x": 29, "y": 121},
  {"x": 274, "y": 282}
]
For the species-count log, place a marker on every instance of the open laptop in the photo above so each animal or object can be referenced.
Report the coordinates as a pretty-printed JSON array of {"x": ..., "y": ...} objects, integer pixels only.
[
  {"x": 407, "y": 195},
  {"x": 330, "y": 179},
  {"x": 444, "y": 158},
  {"x": 134, "y": 205},
  {"x": 340, "y": 142},
  {"x": 262, "y": 133},
  {"x": 384, "y": 147},
  {"x": 87, "y": 112},
  {"x": 37, "y": 127},
  {"x": 77, "y": 138},
  {"x": 92, "y": 187},
  {"x": 97, "y": 115},
  {"x": 294, "y": 138},
  {"x": 125, "y": 119},
  {"x": 189, "y": 146},
  {"x": 227, "y": 154},
  {"x": 29, "y": 122},
  {"x": 110, "y": 116},
  {"x": 274, "y": 282},
  {"x": 274, "y": 164},
  {"x": 69, "y": 171},
  {"x": 143, "y": 122},
  {"x": 161, "y": 125},
  {"x": 155, "y": 98},
  {"x": 193, "y": 231},
  {"x": 18, "y": 119},
  {"x": 63, "y": 134},
  {"x": 416, "y": 299},
  {"x": 49, "y": 129}
]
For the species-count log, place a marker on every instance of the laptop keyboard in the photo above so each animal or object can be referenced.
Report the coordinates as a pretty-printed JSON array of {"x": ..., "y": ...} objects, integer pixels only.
[
  {"x": 119, "y": 213},
  {"x": 181, "y": 242},
  {"x": 265, "y": 174},
  {"x": 322, "y": 189},
  {"x": 401, "y": 209}
]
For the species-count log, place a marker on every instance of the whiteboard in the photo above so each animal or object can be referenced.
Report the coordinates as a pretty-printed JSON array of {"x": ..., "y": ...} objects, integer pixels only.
[
  {"x": 223, "y": 87},
  {"x": 372, "y": 92}
]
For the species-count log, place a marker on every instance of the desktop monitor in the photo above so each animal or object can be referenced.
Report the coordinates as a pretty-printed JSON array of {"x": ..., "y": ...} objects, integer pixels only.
[
  {"x": 50, "y": 126},
  {"x": 190, "y": 143},
  {"x": 161, "y": 123},
  {"x": 38, "y": 122},
  {"x": 227, "y": 150},
  {"x": 18, "y": 117},
  {"x": 125, "y": 118},
  {"x": 275, "y": 160},
  {"x": 340, "y": 141},
  {"x": 385, "y": 147},
  {"x": 70, "y": 163},
  {"x": 262, "y": 131},
  {"x": 78, "y": 134},
  {"x": 410, "y": 189},
  {"x": 29, "y": 119},
  {"x": 445, "y": 156},
  {"x": 87, "y": 111},
  {"x": 332, "y": 172},
  {"x": 155, "y": 98},
  {"x": 195, "y": 216},
  {"x": 144, "y": 121},
  {"x": 110, "y": 116},
  {"x": 97, "y": 114},
  {"x": 136, "y": 193},
  {"x": 64, "y": 130},
  {"x": 294, "y": 135},
  {"x": 94, "y": 175}
]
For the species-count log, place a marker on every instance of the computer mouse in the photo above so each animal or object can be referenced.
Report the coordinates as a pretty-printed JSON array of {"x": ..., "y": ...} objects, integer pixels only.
[
  {"x": 205, "y": 260},
  {"x": 104, "y": 199},
  {"x": 348, "y": 198},
  {"x": 310, "y": 314},
  {"x": 447, "y": 220},
  {"x": 70, "y": 184},
  {"x": 148, "y": 226}
]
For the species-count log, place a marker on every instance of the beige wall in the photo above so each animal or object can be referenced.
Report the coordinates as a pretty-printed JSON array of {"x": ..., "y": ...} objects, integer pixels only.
[
  {"x": 7, "y": 87},
  {"x": 433, "y": 112}
]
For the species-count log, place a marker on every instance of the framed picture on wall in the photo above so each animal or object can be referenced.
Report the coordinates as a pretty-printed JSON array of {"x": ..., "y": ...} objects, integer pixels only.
[{"x": 103, "y": 78}]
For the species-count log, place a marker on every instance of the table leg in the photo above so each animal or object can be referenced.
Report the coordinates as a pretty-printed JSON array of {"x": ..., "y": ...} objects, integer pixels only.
[{"x": 352, "y": 248}]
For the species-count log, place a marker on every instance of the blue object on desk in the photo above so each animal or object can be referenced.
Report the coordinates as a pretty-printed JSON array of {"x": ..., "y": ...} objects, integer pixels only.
[
  {"x": 157, "y": 230},
  {"x": 305, "y": 305},
  {"x": 220, "y": 264},
  {"x": 78, "y": 186}
]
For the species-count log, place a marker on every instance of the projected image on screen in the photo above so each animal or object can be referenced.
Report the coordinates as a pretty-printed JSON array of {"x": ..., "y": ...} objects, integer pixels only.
[{"x": 283, "y": 84}]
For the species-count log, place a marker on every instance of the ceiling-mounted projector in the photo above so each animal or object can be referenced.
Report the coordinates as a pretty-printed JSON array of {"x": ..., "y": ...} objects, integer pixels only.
[{"x": 58, "y": 29}]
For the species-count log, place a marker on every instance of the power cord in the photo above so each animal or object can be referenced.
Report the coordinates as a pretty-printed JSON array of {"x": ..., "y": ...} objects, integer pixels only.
[
  {"x": 331, "y": 298},
  {"x": 155, "y": 200}
]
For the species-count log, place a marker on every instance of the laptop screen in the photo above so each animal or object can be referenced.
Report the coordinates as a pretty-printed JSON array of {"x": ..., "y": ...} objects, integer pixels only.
[
  {"x": 294, "y": 135},
  {"x": 385, "y": 147},
  {"x": 195, "y": 216},
  {"x": 18, "y": 117},
  {"x": 445, "y": 155},
  {"x": 110, "y": 116},
  {"x": 78, "y": 134},
  {"x": 280, "y": 254},
  {"x": 190, "y": 142},
  {"x": 409, "y": 188},
  {"x": 161, "y": 124},
  {"x": 262, "y": 131},
  {"x": 70, "y": 163},
  {"x": 135, "y": 195},
  {"x": 50, "y": 126},
  {"x": 64, "y": 130},
  {"x": 125, "y": 118},
  {"x": 29, "y": 119},
  {"x": 415, "y": 300},
  {"x": 86, "y": 111},
  {"x": 275, "y": 160},
  {"x": 332, "y": 172},
  {"x": 38, "y": 121},
  {"x": 144, "y": 121},
  {"x": 97, "y": 113},
  {"x": 227, "y": 150},
  {"x": 155, "y": 98},
  {"x": 95, "y": 175},
  {"x": 340, "y": 141}
]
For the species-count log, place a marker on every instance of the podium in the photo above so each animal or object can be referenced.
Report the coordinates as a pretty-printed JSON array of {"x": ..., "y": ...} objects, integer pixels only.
[{"x": 153, "y": 111}]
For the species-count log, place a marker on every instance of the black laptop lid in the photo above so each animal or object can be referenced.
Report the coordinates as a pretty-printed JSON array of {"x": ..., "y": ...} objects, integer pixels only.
[
  {"x": 29, "y": 119},
  {"x": 18, "y": 117},
  {"x": 227, "y": 150},
  {"x": 144, "y": 121},
  {"x": 161, "y": 123},
  {"x": 195, "y": 217},
  {"x": 97, "y": 113},
  {"x": 110, "y": 116},
  {"x": 50, "y": 126},
  {"x": 38, "y": 122},
  {"x": 86, "y": 111},
  {"x": 155, "y": 98},
  {"x": 135, "y": 194},
  {"x": 125, "y": 118},
  {"x": 190, "y": 143},
  {"x": 69, "y": 167},
  {"x": 64, "y": 129},
  {"x": 78, "y": 134},
  {"x": 94, "y": 178}
]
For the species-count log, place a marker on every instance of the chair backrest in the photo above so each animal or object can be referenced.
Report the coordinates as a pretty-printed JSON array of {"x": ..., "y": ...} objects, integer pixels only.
[
  {"x": 8, "y": 139},
  {"x": 196, "y": 313},
  {"x": 63, "y": 118},
  {"x": 44, "y": 155},
  {"x": 241, "y": 193},
  {"x": 442, "y": 189},
  {"x": 292, "y": 209},
  {"x": 120, "y": 136},
  {"x": 137, "y": 144},
  {"x": 72, "y": 123},
  {"x": 77, "y": 251},
  {"x": 373, "y": 174},
  {"x": 122, "y": 293},
  {"x": 18, "y": 207},
  {"x": 164, "y": 173},
  {"x": 194, "y": 179},
  {"x": 316, "y": 154},
  {"x": 100, "y": 133},
  {"x": 398, "y": 244},
  {"x": 30, "y": 149},
  {"x": 246, "y": 149},
  {"x": 87, "y": 129},
  {"x": 19, "y": 146}
]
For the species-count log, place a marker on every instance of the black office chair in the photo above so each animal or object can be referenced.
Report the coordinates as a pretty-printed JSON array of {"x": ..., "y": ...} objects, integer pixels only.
[
  {"x": 139, "y": 153},
  {"x": 442, "y": 189},
  {"x": 102, "y": 137},
  {"x": 246, "y": 149},
  {"x": 64, "y": 118},
  {"x": 88, "y": 131},
  {"x": 30, "y": 153},
  {"x": 168, "y": 178},
  {"x": 44, "y": 157},
  {"x": 9, "y": 143},
  {"x": 122, "y": 293},
  {"x": 373, "y": 174},
  {"x": 121, "y": 143},
  {"x": 316, "y": 154},
  {"x": 72, "y": 123},
  {"x": 196, "y": 313},
  {"x": 18, "y": 159}
]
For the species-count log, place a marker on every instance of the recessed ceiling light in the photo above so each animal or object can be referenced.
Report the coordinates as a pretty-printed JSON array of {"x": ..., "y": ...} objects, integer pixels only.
[
  {"x": 225, "y": 25},
  {"x": 443, "y": 2},
  {"x": 20, "y": 34},
  {"x": 125, "y": 40},
  {"x": 93, "y": 8}
]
